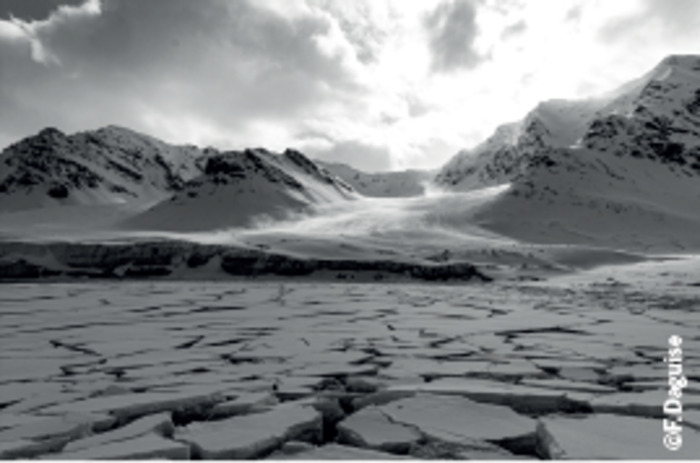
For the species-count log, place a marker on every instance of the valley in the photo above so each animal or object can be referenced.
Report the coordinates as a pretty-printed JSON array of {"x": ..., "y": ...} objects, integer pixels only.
[{"x": 177, "y": 302}]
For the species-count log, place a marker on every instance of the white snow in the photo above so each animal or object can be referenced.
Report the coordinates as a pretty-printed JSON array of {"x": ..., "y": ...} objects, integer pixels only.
[
  {"x": 490, "y": 340},
  {"x": 244, "y": 404},
  {"x": 608, "y": 437},
  {"x": 250, "y": 436},
  {"x": 148, "y": 447},
  {"x": 340, "y": 452},
  {"x": 139, "y": 404},
  {"x": 595, "y": 172},
  {"x": 160, "y": 424},
  {"x": 455, "y": 419},
  {"x": 372, "y": 428},
  {"x": 382, "y": 184},
  {"x": 245, "y": 189},
  {"x": 647, "y": 404},
  {"x": 67, "y": 425}
]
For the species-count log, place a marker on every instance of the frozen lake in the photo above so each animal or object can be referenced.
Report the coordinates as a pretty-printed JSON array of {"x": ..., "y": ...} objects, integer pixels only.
[{"x": 590, "y": 343}]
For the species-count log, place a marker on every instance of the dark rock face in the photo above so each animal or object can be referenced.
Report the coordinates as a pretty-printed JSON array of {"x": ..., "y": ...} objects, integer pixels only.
[
  {"x": 313, "y": 169},
  {"x": 228, "y": 167},
  {"x": 58, "y": 191},
  {"x": 649, "y": 137},
  {"x": 50, "y": 134},
  {"x": 112, "y": 160},
  {"x": 160, "y": 258},
  {"x": 113, "y": 166},
  {"x": 509, "y": 154},
  {"x": 289, "y": 266},
  {"x": 22, "y": 269},
  {"x": 221, "y": 165}
]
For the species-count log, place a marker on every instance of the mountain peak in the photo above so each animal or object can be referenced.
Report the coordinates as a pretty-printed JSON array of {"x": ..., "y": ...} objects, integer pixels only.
[
  {"x": 584, "y": 170},
  {"x": 115, "y": 132},
  {"x": 50, "y": 133},
  {"x": 691, "y": 62},
  {"x": 111, "y": 128},
  {"x": 111, "y": 165}
]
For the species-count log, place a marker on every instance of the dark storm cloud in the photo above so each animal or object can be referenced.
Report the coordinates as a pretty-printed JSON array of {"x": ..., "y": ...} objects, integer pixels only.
[
  {"x": 676, "y": 17},
  {"x": 32, "y": 9},
  {"x": 160, "y": 65},
  {"x": 452, "y": 30}
]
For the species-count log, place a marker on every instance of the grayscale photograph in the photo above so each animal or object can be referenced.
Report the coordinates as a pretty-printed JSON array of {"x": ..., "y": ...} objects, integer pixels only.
[{"x": 349, "y": 230}]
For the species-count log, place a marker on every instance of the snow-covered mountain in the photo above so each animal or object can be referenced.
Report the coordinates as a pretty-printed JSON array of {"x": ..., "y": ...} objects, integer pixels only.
[
  {"x": 111, "y": 165},
  {"x": 622, "y": 170},
  {"x": 552, "y": 125},
  {"x": 115, "y": 174},
  {"x": 399, "y": 184},
  {"x": 242, "y": 188}
]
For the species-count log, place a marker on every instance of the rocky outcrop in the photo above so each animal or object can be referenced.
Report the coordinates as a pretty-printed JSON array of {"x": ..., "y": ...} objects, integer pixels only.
[
  {"x": 239, "y": 189},
  {"x": 136, "y": 181},
  {"x": 165, "y": 258},
  {"x": 111, "y": 165}
]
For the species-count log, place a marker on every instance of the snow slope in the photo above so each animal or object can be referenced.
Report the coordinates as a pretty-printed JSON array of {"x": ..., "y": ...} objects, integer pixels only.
[
  {"x": 552, "y": 124},
  {"x": 405, "y": 183},
  {"x": 239, "y": 189},
  {"x": 620, "y": 171},
  {"x": 54, "y": 184},
  {"x": 111, "y": 165}
]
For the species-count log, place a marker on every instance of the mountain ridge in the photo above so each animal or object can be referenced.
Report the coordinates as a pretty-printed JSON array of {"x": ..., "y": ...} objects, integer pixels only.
[
  {"x": 106, "y": 166},
  {"x": 602, "y": 172},
  {"x": 633, "y": 164},
  {"x": 240, "y": 188}
]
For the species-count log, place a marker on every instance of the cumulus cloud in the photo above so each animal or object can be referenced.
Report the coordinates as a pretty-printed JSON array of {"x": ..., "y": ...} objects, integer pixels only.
[
  {"x": 362, "y": 22},
  {"x": 215, "y": 72},
  {"x": 36, "y": 31},
  {"x": 670, "y": 18},
  {"x": 376, "y": 83},
  {"x": 452, "y": 27},
  {"x": 9, "y": 30},
  {"x": 514, "y": 30},
  {"x": 163, "y": 64},
  {"x": 574, "y": 14}
]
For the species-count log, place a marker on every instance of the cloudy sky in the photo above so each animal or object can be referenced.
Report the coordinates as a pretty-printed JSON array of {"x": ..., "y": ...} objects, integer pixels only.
[{"x": 380, "y": 84}]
